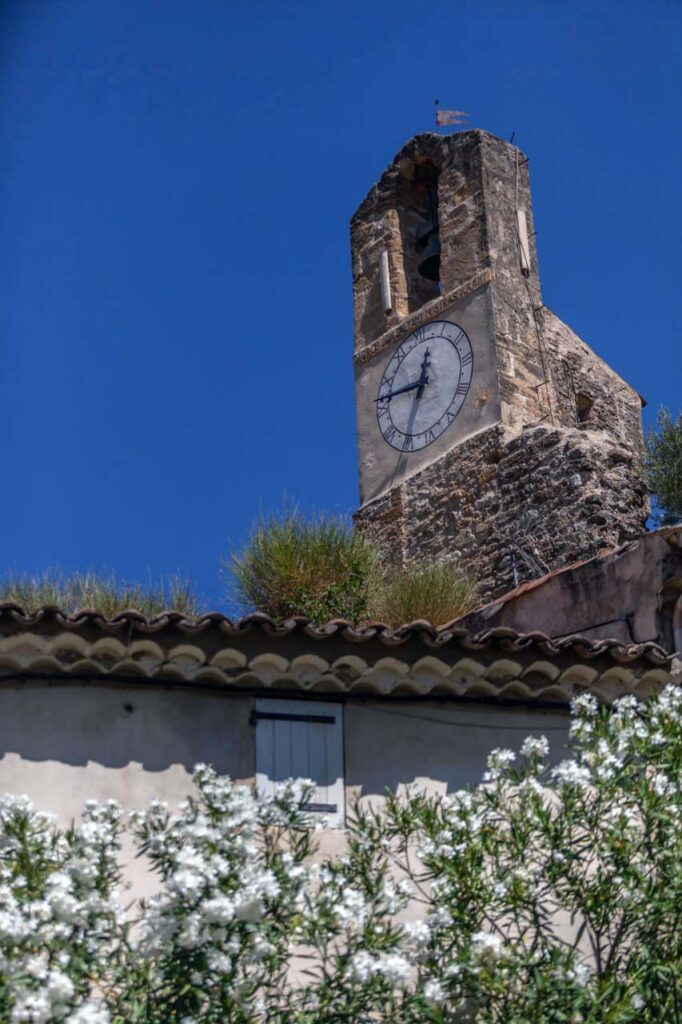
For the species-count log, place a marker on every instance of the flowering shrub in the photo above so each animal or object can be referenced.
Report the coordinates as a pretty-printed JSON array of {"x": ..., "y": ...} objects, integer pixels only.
[{"x": 544, "y": 895}]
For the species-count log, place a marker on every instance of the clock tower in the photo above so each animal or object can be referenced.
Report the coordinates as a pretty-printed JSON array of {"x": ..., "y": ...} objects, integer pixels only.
[{"x": 487, "y": 429}]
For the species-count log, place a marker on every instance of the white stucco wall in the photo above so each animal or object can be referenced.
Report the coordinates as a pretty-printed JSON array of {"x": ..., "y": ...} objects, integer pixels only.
[
  {"x": 62, "y": 744},
  {"x": 437, "y": 745}
]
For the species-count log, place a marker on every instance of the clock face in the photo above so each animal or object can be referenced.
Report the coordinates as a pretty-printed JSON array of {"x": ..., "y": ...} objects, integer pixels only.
[{"x": 424, "y": 385}]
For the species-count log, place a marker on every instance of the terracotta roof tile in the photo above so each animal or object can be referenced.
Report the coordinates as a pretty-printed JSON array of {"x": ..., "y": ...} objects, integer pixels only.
[
  {"x": 421, "y": 631},
  {"x": 333, "y": 659},
  {"x": 450, "y": 634}
]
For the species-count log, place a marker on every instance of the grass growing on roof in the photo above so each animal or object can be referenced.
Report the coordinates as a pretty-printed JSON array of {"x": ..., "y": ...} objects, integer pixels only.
[
  {"x": 293, "y": 564},
  {"x": 435, "y": 591},
  {"x": 103, "y": 592}
]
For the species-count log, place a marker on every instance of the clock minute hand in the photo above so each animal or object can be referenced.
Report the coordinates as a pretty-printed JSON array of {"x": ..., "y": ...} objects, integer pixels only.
[{"x": 399, "y": 391}]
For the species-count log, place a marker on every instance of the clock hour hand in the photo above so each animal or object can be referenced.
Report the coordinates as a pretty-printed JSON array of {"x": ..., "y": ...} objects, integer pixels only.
[
  {"x": 400, "y": 391},
  {"x": 424, "y": 377}
]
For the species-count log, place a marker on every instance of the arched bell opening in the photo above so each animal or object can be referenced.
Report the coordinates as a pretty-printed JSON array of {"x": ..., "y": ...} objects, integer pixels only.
[
  {"x": 427, "y": 244},
  {"x": 418, "y": 212}
]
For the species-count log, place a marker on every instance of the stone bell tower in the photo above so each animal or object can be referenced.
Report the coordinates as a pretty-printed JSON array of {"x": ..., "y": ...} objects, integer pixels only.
[{"x": 487, "y": 429}]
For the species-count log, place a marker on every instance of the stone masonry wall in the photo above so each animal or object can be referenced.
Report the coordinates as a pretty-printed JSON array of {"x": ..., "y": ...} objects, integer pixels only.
[
  {"x": 519, "y": 344},
  {"x": 479, "y": 180},
  {"x": 559, "y": 495},
  {"x": 547, "y": 374},
  {"x": 586, "y": 392}
]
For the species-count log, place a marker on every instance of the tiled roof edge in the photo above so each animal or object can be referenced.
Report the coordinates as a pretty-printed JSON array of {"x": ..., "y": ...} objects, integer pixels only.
[{"x": 420, "y": 631}]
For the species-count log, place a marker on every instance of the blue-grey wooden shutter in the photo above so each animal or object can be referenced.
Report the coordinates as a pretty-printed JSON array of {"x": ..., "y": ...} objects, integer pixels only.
[{"x": 300, "y": 739}]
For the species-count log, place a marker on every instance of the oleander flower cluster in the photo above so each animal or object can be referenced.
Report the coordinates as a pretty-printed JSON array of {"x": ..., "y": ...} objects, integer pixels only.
[
  {"x": 551, "y": 892},
  {"x": 59, "y": 912}
]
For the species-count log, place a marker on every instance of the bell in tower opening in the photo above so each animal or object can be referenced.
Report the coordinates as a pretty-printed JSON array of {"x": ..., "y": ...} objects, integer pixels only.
[
  {"x": 428, "y": 242},
  {"x": 421, "y": 234}
]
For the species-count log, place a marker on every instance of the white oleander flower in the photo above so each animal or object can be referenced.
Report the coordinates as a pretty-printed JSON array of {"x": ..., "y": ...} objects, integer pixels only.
[
  {"x": 585, "y": 705},
  {"x": 535, "y": 746},
  {"x": 31, "y": 1008},
  {"x": 417, "y": 933},
  {"x": 580, "y": 974},
  {"x": 487, "y": 945},
  {"x": 571, "y": 773},
  {"x": 661, "y": 784},
  {"x": 352, "y": 908},
  {"x": 218, "y": 962},
  {"x": 395, "y": 968},
  {"x": 434, "y": 992},
  {"x": 218, "y": 910},
  {"x": 498, "y": 761},
  {"x": 89, "y": 1013},
  {"x": 59, "y": 986},
  {"x": 362, "y": 967}
]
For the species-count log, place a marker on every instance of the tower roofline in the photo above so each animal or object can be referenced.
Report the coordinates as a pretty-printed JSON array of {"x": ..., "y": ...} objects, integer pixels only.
[{"x": 421, "y": 147}]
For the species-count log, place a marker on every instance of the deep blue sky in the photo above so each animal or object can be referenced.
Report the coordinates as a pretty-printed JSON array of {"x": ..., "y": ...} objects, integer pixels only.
[{"x": 175, "y": 188}]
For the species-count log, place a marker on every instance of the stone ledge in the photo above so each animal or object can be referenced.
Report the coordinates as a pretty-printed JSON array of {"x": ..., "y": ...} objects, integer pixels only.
[{"x": 423, "y": 315}]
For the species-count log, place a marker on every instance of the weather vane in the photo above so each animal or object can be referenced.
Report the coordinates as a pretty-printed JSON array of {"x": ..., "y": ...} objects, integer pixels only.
[{"x": 449, "y": 117}]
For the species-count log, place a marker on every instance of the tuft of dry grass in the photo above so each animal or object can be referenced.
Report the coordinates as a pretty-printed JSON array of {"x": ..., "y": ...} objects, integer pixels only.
[
  {"x": 435, "y": 591},
  {"x": 100, "y": 591},
  {"x": 293, "y": 564}
]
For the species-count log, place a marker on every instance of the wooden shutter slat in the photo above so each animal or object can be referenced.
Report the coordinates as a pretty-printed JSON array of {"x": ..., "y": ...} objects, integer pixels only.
[{"x": 301, "y": 739}]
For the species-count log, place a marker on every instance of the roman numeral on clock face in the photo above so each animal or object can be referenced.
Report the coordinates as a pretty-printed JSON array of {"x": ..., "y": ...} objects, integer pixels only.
[{"x": 424, "y": 385}]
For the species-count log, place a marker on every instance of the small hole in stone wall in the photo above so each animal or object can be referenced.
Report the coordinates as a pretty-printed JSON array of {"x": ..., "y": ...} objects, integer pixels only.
[
  {"x": 128, "y": 708},
  {"x": 584, "y": 406}
]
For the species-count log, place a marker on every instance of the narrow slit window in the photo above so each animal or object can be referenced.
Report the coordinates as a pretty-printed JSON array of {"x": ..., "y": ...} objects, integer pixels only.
[{"x": 584, "y": 407}]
